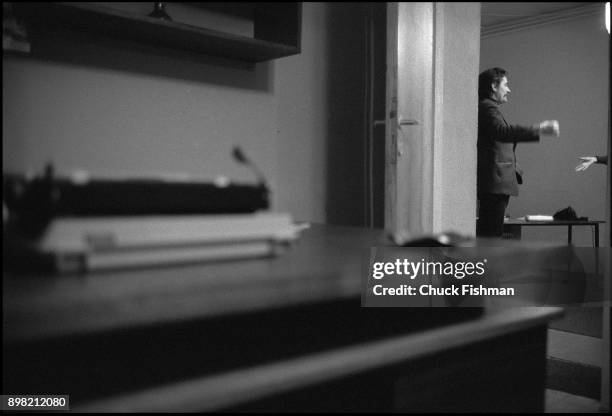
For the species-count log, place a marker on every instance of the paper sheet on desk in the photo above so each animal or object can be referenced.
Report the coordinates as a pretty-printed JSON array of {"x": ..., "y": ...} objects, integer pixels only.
[
  {"x": 99, "y": 243},
  {"x": 539, "y": 218}
]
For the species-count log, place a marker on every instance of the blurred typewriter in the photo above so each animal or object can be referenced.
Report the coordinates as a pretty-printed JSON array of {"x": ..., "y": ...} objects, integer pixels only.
[{"x": 79, "y": 224}]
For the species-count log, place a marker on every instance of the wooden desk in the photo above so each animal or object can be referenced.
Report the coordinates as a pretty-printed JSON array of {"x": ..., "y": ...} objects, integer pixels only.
[
  {"x": 286, "y": 333},
  {"x": 324, "y": 264},
  {"x": 512, "y": 227}
]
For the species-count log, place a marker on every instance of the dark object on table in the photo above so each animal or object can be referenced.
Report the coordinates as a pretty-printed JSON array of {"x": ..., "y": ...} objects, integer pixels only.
[
  {"x": 437, "y": 240},
  {"x": 159, "y": 11},
  {"x": 568, "y": 214},
  {"x": 36, "y": 201}
]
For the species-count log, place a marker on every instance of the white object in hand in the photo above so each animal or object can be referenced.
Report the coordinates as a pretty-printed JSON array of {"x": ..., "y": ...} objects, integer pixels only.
[{"x": 550, "y": 127}]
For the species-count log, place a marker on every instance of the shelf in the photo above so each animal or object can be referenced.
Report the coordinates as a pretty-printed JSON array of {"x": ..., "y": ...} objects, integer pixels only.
[{"x": 277, "y": 29}]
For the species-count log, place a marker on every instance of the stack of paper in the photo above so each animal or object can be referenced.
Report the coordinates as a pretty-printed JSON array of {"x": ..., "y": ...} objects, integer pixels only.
[
  {"x": 539, "y": 217},
  {"x": 84, "y": 244}
]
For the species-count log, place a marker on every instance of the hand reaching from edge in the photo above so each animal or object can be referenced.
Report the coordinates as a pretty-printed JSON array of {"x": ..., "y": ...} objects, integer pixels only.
[{"x": 586, "y": 162}]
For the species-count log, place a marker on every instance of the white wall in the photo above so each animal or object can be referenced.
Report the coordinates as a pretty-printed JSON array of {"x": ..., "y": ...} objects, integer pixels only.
[
  {"x": 558, "y": 71},
  {"x": 456, "y": 98},
  {"x": 111, "y": 121},
  {"x": 126, "y": 109},
  {"x": 300, "y": 85}
]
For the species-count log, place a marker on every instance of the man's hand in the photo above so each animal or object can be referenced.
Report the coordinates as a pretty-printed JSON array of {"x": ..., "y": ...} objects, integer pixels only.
[
  {"x": 550, "y": 128},
  {"x": 586, "y": 162}
]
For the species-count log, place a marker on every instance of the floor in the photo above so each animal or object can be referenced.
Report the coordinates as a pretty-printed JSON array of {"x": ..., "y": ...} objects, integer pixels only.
[
  {"x": 561, "y": 402},
  {"x": 583, "y": 351}
]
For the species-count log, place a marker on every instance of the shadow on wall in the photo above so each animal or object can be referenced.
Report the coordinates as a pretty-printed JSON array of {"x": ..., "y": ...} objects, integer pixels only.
[
  {"x": 356, "y": 59},
  {"x": 346, "y": 130},
  {"x": 77, "y": 48}
]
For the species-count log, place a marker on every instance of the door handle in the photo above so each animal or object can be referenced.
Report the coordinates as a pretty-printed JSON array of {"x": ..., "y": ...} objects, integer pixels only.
[
  {"x": 408, "y": 122},
  {"x": 402, "y": 122}
]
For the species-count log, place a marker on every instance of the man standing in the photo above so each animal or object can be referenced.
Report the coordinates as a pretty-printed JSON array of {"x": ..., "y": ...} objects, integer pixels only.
[{"x": 498, "y": 174}]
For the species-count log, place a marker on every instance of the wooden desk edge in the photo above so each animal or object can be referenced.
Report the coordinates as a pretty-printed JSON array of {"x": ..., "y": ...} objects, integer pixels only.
[
  {"x": 555, "y": 222},
  {"x": 241, "y": 386}
]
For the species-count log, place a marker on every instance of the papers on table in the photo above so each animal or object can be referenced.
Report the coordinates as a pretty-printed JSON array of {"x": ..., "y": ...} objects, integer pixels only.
[
  {"x": 98, "y": 243},
  {"x": 539, "y": 218}
]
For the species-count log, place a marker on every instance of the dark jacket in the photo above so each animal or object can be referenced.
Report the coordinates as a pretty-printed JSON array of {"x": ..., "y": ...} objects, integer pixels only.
[{"x": 497, "y": 169}]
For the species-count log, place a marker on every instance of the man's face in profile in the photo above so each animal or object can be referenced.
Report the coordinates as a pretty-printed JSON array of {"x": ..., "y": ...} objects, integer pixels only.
[{"x": 501, "y": 91}]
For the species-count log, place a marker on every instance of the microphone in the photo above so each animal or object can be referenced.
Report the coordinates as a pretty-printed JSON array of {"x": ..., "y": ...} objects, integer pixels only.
[{"x": 241, "y": 158}]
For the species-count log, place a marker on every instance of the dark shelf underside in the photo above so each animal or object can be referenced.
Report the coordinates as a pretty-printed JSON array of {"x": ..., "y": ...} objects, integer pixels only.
[{"x": 125, "y": 26}]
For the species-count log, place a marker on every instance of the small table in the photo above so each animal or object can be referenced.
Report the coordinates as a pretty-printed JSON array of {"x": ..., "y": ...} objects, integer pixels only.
[{"x": 513, "y": 226}]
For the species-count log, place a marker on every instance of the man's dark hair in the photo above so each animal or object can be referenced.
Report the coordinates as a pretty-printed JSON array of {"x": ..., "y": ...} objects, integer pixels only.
[{"x": 488, "y": 77}]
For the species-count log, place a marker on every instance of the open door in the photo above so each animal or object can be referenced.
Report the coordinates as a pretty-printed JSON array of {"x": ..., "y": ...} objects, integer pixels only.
[
  {"x": 409, "y": 119},
  {"x": 431, "y": 118}
]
